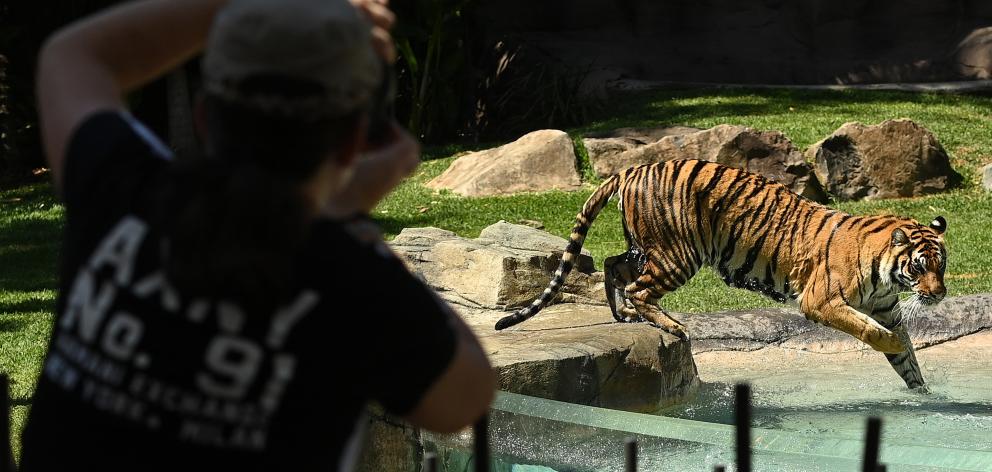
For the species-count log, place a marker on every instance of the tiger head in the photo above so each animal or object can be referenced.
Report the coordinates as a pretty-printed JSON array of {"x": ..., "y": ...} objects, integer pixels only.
[{"x": 920, "y": 258}]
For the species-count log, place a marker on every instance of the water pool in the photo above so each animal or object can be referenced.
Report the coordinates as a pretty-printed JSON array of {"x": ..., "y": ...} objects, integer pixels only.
[{"x": 809, "y": 415}]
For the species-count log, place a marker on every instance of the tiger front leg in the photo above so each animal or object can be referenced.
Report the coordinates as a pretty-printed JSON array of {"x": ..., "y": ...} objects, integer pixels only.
[
  {"x": 843, "y": 317},
  {"x": 904, "y": 363}
]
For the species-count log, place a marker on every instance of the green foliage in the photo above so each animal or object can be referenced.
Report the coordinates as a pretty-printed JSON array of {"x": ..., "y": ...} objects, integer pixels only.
[
  {"x": 433, "y": 68},
  {"x": 23, "y": 27},
  {"x": 526, "y": 89},
  {"x": 582, "y": 162},
  {"x": 454, "y": 84}
]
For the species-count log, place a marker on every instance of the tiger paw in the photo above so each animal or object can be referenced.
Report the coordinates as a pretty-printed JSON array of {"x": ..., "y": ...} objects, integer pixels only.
[
  {"x": 679, "y": 332},
  {"x": 675, "y": 330},
  {"x": 887, "y": 342}
]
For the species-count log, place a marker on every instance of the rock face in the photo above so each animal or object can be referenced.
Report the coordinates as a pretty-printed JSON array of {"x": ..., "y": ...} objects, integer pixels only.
[
  {"x": 538, "y": 161},
  {"x": 579, "y": 354},
  {"x": 643, "y": 135},
  {"x": 987, "y": 177},
  {"x": 897, "y": 158},
  {"x": 768, "y": 153},
  {"x": 573, "y": 352},
  {"x": 603, "y": 146},
  {"x": 759, "y": 328},
  {"x": 506, "y": 267},
  {"x": 604, "y": 149}
]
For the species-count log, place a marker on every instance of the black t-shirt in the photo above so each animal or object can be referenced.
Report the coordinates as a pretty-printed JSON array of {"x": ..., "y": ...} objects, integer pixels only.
[{"x": 140, "y": 377}]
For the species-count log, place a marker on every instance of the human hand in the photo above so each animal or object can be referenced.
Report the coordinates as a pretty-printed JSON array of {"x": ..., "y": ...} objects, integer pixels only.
[
  {"x": 377, "y": 171},
  {"x": 382, "y": 19}
]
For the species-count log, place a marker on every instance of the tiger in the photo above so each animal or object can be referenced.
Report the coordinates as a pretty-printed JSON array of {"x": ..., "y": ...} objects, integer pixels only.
[{"x": 843, "y": 271}]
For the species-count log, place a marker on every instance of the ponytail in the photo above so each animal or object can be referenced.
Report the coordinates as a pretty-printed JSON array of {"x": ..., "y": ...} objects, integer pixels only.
[
  {"x": 239, "y": 216},
  {"x": 237, "y": 233}
]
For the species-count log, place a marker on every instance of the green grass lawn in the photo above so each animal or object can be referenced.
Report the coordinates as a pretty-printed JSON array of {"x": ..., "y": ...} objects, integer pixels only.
[
  {"x": 31, "y": 221},
  {"x": 30, "y": 228}
]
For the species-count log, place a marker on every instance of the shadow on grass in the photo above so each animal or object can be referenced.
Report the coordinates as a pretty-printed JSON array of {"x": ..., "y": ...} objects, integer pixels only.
[
  {"x": 391, "y": 225},
  {"x": 24, "y": 307},
  {"x": 12, "y": 324},
  {"x": 30, "y": 237},
  {"x": 29, "y": 255},
  {"x": 669, "y": 107}
]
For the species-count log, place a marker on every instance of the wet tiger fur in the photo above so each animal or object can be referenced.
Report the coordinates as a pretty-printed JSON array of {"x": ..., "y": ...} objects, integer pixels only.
[{"x": 843, "y": 271}]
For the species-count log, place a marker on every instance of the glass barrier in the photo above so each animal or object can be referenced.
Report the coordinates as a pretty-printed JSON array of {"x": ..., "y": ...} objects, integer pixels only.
[{"x": 536, "y": 434}]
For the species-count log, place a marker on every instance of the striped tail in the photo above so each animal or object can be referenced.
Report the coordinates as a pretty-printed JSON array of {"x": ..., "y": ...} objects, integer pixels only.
[{"x": 583, "y": 221}]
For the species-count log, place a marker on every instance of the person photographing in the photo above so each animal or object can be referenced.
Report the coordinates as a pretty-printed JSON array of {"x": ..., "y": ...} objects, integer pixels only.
[{"x": 216, "y": 313}]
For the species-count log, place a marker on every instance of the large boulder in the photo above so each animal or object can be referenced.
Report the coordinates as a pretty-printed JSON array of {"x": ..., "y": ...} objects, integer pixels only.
[
  {"x": 897, "y": 158},
  {"x": 537, "y": 162},
  {"x": 573, "y": 352},
  {"x": 603, "y": 146},
  {"x": 506, "y": 267},
  {"x": 578, "y": 353},
  {"x": 768, "y": 153}
]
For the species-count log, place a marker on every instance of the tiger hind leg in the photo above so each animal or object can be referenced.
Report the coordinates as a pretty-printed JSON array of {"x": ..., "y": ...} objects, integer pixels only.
[
  {"x": 620, "y": 271},
  {"x": 644, "y": 293}
]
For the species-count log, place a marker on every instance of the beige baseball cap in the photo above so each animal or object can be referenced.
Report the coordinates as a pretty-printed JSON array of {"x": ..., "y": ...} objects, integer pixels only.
[{"x": 326, "y": 42}]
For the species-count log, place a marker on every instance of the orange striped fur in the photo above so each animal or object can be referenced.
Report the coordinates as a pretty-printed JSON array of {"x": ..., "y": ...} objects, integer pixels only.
[{"x": 843, "y": 271}]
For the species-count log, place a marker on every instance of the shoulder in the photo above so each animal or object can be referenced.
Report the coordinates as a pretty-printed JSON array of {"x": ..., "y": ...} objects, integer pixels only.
[
  {"x": 111, "y": 131},
  {"x": 353, "y": 251},
  {"x": 110, "y": 151}
]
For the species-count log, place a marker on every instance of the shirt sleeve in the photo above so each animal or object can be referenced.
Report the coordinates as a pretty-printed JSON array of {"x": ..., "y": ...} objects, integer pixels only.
[
  {"x": 109, "y": 156},
  {"x": 416, "y": 342}
]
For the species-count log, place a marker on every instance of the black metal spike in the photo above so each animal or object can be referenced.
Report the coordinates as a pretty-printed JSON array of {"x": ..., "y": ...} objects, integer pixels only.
[
  {"x": 631, "y": 455},
  {"x": 481, "y": 430},
  {"x": 873, "y": 435},
  {"x": 430, "y": 462},
  {"x": 742, "y": 415}
]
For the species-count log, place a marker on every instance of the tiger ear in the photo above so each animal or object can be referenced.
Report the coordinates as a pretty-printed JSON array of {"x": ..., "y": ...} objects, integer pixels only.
[
  {"x": 899, "y": 237},
  {"x": 939, "y": 224}
]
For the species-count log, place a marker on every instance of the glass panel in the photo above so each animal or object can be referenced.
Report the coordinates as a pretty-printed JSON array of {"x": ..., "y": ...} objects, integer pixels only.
[{"x": 535, "y": 434}]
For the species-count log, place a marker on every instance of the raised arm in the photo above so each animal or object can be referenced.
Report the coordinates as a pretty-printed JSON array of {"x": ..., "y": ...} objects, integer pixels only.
[
  {"x": 463, "y": 393},
  {"x": 91, "y": 64}
]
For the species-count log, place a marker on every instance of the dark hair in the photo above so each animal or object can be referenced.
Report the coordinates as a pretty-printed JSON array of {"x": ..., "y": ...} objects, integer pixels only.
[{"x": 239, "y": 215}]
